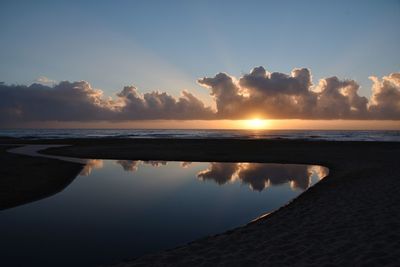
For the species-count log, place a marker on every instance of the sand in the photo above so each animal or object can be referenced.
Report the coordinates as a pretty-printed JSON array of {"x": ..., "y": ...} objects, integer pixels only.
[
  {"x": 25, "y": 179},
  {"x": 350, "y": 218}
]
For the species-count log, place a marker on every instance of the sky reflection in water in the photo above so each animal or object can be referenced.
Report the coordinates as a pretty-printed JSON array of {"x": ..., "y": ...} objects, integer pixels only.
[{"x": 118, "y": 209}]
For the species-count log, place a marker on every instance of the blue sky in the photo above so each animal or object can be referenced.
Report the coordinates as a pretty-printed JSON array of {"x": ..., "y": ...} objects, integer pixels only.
[{"x": 167, "y": 45}]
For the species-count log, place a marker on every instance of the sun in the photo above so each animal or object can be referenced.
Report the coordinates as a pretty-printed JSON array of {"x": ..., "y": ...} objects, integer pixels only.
[{"x": 256, "y": 124}]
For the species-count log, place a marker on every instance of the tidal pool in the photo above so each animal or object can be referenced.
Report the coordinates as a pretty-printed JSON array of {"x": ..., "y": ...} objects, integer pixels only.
[{"x": 120, "y": 209}]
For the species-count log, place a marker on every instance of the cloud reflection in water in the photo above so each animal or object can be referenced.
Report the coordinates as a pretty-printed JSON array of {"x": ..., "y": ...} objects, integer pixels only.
[
  {"x": 259, "y": 176},
  {"x": 91, "y": 165}
]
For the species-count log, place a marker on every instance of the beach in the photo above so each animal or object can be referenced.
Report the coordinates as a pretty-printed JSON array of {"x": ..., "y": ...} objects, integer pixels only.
[
  {"x": 349, "y": 218},
  {"x": 199, "y": 133},
  {"x": 25, "y": 179}
]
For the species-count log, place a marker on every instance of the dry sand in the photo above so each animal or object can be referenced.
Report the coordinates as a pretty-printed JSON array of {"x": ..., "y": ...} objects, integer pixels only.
[{"x": 350, "y": 218}]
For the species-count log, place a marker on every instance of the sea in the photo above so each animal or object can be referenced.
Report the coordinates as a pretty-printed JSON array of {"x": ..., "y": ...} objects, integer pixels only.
[{"x": 331, "y": 135}]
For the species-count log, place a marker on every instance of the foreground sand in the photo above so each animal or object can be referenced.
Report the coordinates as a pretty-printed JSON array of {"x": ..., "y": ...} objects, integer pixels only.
[{"x": 350, "y": 218}]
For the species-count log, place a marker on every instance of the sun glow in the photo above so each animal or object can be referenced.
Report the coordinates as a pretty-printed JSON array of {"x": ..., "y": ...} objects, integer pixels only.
[{"x": 256, "y": 124}]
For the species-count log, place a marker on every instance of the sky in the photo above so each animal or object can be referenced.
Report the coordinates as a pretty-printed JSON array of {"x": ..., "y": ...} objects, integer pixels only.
[{"x": 169, "y": 46}]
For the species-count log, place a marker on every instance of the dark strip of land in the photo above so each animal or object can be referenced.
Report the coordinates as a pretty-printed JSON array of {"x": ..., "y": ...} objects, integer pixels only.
[
  {"x": 350, "y": 218},
  {"x": 25, "y": 179}
]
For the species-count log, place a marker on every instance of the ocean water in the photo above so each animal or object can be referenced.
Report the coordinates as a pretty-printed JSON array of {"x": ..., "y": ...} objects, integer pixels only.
[
  {"x": 334, "y": 135},
  {"x": 119, "y": 209}
]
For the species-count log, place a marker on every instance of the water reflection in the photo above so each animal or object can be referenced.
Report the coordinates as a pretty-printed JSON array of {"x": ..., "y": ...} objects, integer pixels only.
[
  {"x": 133, "y": 165},
  {"x": 186, "y": 164},
  {"x": 130, "y": 208},
  {"x": 221, "y": 173},
  {"x": 129, "y": 165},
  {"x": 91, "y": 165},
  {"x": 259, "y": 176}
]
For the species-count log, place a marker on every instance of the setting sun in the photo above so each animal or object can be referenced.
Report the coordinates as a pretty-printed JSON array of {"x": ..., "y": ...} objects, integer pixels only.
[{"x": 256, "y": 124}]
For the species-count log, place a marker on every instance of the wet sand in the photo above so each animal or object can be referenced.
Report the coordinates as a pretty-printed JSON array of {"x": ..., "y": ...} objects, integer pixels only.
[
  {"x": 25, "y": 179},
  {"x": 349, "y": 218}
]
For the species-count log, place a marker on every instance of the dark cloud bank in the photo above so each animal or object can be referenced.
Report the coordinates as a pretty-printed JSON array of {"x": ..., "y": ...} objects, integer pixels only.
[{"x": 260, "y": 93}]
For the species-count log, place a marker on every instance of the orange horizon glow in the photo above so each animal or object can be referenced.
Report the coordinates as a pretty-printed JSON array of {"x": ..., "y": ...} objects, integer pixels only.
[
  {"x": 251, "y": 124},
  {"x": 255, "y": 123}
]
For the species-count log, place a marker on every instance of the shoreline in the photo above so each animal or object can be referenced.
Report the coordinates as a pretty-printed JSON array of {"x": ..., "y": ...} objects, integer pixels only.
[
  {"x": 25, "y": 179},
  {"x": 348, "y": 218}
]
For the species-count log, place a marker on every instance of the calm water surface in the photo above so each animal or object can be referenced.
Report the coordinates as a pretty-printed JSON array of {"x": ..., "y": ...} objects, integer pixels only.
[{"x": 116, "y": 210}]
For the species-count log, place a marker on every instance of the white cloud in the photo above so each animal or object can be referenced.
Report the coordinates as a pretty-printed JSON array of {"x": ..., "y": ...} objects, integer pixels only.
[{"x": 45, "y": 81}]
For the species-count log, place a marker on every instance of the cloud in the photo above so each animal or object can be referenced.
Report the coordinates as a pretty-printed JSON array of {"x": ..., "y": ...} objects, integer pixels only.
[
  {"x": 293, "y": 96},
  {"x": 45, "y": 81},
  {"x": 385, "y": 100},
  {"x": 339, "y": 100},
  {"x": 160, "y": 105},
  {"x": 279, "y": 95},
  {"x": 65, "y": 101},
  {"x": 259, "y": 93},
  {"x": 78, "y": 101}
]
